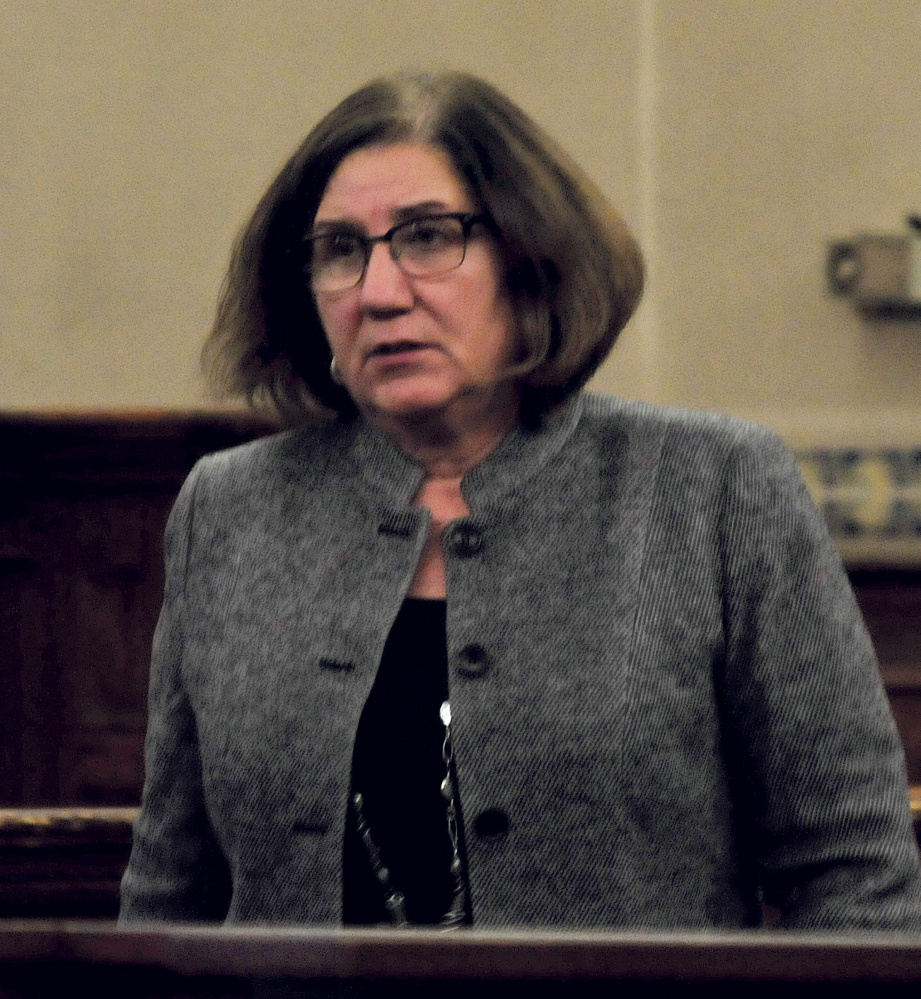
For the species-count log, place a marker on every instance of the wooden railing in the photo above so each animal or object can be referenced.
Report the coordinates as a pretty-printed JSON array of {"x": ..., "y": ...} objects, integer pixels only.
[
  {"x": 98, "y": 960},
  {"x": 63, "y": 862}
]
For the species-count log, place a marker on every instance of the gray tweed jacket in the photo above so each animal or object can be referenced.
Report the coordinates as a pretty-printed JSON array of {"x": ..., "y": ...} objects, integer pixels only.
[{"x": 665, "y": 703}]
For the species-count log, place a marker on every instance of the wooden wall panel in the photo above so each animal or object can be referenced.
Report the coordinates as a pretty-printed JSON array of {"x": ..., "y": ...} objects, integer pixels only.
[
  {"x": 83, "y": 504},
  {"x": 891, "y": 605}
]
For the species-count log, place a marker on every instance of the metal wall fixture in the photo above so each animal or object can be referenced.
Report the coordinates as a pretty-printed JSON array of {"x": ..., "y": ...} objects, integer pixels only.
[{"x": 880, "y": 272}]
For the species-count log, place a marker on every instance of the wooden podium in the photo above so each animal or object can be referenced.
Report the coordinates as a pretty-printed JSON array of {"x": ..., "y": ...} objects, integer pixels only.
[{"x": 45, "y": 959}]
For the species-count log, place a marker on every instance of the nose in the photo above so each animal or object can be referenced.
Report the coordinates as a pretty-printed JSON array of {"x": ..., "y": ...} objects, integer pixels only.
[{"x": 385, "y": 287}]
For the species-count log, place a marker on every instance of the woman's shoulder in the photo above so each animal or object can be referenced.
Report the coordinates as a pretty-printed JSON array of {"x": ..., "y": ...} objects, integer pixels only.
[
  {"x": 277, "y": 454},
  {"x": 638, "y": 416},
  {"x": 274, "y": 466},
  {"x": 740, "y": 471},
  {"x": 685, "y": 434}
]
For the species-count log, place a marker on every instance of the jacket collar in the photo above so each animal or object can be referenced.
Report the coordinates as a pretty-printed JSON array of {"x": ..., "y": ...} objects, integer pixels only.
[{"x": 393, "y": 476}]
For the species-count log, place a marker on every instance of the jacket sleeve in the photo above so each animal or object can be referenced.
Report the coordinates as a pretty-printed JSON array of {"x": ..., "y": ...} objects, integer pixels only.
[
  {"x": 176, "y": 872},
  {"x": 817, "y": 760}
]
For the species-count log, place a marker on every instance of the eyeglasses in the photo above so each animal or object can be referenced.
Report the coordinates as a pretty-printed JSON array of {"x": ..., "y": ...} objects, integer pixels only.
[{"x": 423, "y": 247}]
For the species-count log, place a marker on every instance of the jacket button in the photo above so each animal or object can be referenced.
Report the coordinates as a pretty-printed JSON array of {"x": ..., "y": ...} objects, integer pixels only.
[
  {"x": 491, "y": 822},
  {"x": 337, "y": 665},
  {"x": 464, "y": 540},
  {"x": 473, "y": 661}
]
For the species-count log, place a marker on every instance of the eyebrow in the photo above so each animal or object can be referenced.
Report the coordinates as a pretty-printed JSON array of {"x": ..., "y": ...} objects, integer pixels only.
[
  {"x": 404, "y": 214},
  {"x": 422, "y": 208}
]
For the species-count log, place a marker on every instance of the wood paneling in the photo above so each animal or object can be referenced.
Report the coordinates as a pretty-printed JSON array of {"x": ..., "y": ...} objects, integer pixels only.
[
  {"x": 63, "y": 863},
  {"x": 891, "y": 605},
  {"x": 83, "y": 504}
]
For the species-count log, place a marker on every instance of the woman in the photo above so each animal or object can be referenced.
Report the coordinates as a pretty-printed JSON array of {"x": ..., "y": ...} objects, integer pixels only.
[{"x": 664, "y": 708}]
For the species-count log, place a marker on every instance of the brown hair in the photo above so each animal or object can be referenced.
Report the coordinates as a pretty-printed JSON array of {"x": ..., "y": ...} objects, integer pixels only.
[{"x": 573, "y": 270}]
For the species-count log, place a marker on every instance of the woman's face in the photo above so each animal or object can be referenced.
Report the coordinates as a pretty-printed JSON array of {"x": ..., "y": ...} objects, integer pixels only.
[{"x": 408, "y": 346}]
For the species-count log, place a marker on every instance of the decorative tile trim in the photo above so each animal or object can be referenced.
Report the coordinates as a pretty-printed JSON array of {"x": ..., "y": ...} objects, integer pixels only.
[{"x": 871, "y": 498}]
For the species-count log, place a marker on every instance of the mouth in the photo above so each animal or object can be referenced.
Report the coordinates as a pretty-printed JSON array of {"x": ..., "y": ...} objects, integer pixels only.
[{"x": 395, "y": 348}]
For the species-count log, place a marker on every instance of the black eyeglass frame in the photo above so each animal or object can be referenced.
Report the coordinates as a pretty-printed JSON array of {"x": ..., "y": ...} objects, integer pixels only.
[{"x": 467, "y": 220}]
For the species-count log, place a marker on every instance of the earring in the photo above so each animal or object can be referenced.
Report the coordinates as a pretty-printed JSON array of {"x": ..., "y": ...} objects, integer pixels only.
[{"x": 334, "y": 373}]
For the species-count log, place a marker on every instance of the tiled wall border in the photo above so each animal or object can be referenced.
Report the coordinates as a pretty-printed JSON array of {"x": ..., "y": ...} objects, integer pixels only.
[{"x": 871, "y": 498}]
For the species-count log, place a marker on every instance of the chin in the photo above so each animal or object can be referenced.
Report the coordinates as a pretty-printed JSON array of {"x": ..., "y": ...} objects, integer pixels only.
[
  {"x": 410, "y": 407},
  {"x": 410, "y": 400}
]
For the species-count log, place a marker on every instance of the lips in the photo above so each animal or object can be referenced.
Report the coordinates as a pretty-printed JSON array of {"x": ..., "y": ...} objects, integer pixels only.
[{"x": 396, "y": 347}]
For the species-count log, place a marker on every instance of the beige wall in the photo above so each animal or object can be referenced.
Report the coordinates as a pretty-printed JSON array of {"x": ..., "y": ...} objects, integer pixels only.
[
  {"x": 737, "y": 137},
  {"x": 778, "y": 125}
]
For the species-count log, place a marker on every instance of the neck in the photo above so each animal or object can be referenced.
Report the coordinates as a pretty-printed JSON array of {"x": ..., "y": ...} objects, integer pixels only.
[{"x": 448, "y": 444}]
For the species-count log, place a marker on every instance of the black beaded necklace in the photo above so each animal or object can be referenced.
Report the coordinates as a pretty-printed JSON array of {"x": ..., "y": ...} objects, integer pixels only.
[
  {"x": 393, "y": 899},
  {"x": 403, "y": 848}
]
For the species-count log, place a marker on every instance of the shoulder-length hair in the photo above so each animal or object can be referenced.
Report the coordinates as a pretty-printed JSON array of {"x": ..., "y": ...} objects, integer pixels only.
[{"x": 573, "y": 270}]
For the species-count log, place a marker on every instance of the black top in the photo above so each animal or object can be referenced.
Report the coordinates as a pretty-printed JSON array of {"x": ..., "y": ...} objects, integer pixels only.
[{"x": 398, "y": 767}]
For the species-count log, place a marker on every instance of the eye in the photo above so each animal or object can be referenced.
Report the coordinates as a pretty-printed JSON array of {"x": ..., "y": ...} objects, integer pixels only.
[
  {"x": 430, "y": 235},
  {"x": 336, "y": 247}
]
